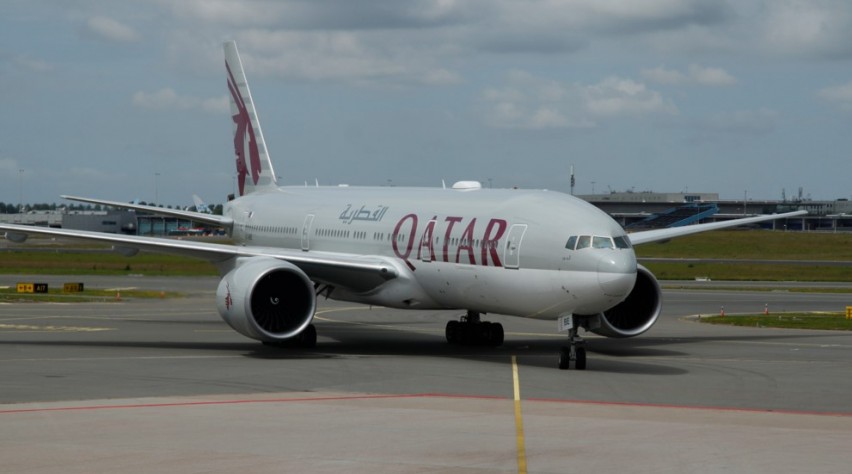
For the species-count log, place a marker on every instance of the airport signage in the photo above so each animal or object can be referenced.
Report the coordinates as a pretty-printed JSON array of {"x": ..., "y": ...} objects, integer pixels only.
[
  {"x": 32, "y": 287},
  {"x": 72, "y": 288}
]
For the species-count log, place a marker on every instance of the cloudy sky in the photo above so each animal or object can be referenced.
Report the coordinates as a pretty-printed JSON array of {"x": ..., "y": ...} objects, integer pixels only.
[{"x": 125, "y": 100}]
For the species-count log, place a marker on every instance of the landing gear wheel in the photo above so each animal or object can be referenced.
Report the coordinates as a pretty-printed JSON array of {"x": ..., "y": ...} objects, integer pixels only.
[
  {"x": 574, "y": 352},
  {"x": 470, "y": 331},
  {"x": 564, "y": 358},
  {"x": 453, "y": 332},
  {"x": 496, "y": 335},
  {"x": 580, "y": 363}
]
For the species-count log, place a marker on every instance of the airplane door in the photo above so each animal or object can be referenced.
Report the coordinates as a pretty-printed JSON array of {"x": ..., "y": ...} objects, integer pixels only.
[
  {"x": 306, "y": 232},
  {"x": 512, "y": 251}
]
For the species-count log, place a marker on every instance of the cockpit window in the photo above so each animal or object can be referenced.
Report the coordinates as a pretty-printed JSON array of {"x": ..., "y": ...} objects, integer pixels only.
[
  {"x": 572, "y": 241},
  {"x": 621, "y": 242},
  {"x": 577, "y": 242},
  {"x": 601, "y": 242}
]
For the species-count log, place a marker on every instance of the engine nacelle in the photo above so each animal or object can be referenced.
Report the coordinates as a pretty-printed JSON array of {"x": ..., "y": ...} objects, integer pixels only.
[
  {"x": 637, "y": 313},
  {"x": 266, "y": 299}
]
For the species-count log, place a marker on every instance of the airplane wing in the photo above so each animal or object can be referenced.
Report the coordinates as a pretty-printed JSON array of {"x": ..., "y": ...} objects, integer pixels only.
[
  {"x": 656, "y": 235},
  {"x": 200, "y": 217},
  {"x": 358, "y": 273}
]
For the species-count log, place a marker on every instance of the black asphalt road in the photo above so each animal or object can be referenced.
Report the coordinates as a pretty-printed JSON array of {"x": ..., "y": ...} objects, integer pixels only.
[{"x": 165, "y": 386}]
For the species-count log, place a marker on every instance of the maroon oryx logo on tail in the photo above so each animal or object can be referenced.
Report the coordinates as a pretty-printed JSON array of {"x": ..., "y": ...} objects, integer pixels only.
[{"x": 243, "y": 122}]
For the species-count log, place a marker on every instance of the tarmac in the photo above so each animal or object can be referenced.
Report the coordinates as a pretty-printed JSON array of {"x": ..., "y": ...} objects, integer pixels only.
[{"x": 163, "y": 385}]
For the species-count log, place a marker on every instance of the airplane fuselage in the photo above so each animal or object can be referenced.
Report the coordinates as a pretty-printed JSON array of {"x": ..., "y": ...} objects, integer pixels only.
[{"x": 490, "y": 251}]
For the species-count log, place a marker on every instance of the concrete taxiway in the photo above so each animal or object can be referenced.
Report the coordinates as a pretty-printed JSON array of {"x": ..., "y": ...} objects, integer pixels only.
[{"x": 165, "y": 385}]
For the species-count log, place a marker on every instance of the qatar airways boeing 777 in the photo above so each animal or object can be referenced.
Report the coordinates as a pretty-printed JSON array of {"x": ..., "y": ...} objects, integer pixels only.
[{"x": 531, "y": 254}]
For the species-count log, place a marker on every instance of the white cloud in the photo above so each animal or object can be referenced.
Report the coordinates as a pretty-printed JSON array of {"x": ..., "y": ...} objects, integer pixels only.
[
  {"x": 743, "y": 122},
  {"x": 345, "y": 56},
  {"x": 108, "y": 29},
  {"x": 710, "y": 76},
  {"x": 167, "y": 98},
  {"x": 33, "y": 65},
  {"x": 840, "y": 95},
  {"x": 694, "y": 75},
  {"x": 533, "y": 103},
  {"x": 821, "y": 28},
  {"x": 617, "y": 97},
  {"x": 661, "y": 75}
]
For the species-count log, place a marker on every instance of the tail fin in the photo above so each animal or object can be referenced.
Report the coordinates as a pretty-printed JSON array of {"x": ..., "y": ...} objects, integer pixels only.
[
  {"x": 254, "y": 169},
  {"x": 199, "y": 204}
]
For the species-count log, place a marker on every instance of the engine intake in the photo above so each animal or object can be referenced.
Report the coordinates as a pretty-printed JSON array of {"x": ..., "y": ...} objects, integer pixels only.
[
  {"x": 638, "y": 312},
  {"x": 266, "y": 299}
]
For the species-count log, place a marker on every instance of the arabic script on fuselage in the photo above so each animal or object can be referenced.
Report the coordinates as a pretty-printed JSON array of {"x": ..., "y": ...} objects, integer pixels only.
[{"x": 364, "y": 214}]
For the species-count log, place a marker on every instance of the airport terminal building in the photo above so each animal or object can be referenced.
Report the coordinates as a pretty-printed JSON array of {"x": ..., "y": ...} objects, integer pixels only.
[{"x": 631, "y": 208}]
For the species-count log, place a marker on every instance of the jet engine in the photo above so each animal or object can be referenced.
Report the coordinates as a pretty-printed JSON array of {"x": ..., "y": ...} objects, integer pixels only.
[
  {"x": 637, "y": 313},
  {"x": 266, "y": 299}
]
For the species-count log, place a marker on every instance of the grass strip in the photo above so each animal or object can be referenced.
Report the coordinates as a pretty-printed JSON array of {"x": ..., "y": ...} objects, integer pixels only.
[
  {"x": 827, "y": 321},
  {"x": 11, "y": 295}
]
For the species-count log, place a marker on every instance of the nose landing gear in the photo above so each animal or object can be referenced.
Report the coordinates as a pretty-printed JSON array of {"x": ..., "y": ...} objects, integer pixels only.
[{"x": 574, "y": 352}]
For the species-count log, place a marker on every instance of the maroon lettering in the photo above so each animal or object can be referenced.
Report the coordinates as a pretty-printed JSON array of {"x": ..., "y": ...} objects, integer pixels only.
[
  {"x": 411, "y": 236},
  {"x": 427, "y": 245},
  {"x": 452, "y": 221},
  {"x": 466, "y": 243},
  {"x": 489, "y": 243}
]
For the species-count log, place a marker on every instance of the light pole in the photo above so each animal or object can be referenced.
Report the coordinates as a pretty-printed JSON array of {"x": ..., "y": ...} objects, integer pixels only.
[
  {"x": 156, "y": 188},
  {"x": 20, "y": 191}
]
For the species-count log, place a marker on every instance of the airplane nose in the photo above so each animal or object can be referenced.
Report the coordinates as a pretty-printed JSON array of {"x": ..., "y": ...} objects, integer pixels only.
[{"x": 617, "y": 273}]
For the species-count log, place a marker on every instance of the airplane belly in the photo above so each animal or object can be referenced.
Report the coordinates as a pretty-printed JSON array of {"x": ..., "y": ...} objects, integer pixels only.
[{"x": 540, "y": 294}]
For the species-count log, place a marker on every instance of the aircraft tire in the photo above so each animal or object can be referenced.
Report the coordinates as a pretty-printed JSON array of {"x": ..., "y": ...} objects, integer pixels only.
[
  {"x": 453, "y": 332},
  {"x": 564, "y": 358},
  {"x": 580, "y": 363},
  {"x": 495, "y": 335}
]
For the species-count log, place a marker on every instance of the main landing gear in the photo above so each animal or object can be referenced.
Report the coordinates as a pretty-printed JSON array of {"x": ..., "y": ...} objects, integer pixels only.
[
  {"x": 574, "y": 352},
  {"x": 470, "y": 331}
]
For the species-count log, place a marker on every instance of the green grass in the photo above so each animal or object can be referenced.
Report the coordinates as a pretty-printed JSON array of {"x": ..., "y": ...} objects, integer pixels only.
[
  {"x": 749, "y": 272},
  {"x": 828, "y": 321},
  {"x": 710, "y": 286},
  {"x": 725, "y": 244},
  {"x": 754, "y": 244},
  {"x": 9, "y": 295},
  {"x": 101, "y": 263}
]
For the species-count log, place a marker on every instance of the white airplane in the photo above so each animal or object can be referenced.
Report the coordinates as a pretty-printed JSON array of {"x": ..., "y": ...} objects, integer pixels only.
[
  {"x": 200, "y": 206},
  {"x": 532, "y": 254}
]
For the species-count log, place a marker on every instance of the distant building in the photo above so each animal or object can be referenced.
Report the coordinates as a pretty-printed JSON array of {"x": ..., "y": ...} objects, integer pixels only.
[
  {"x": 110, "y": 221},
  {"x": 631, "y": 207}
]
